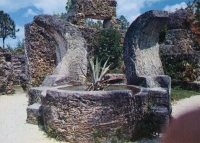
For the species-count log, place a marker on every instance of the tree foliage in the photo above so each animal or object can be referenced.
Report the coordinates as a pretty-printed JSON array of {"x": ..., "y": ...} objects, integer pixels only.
[
  {"x": 68, "y": 6},
  {"x": 197, "y": 7},
  {"x": 107, "y": 46},
  {"x": 91, "y": 23},
  {"x": 62, "y": 15},
  {"x": 18, "y": 50},
  {"x": 194, "y": 8},
  {"x": 124, "y": 23},
  {"x": 7, "y": 26}
]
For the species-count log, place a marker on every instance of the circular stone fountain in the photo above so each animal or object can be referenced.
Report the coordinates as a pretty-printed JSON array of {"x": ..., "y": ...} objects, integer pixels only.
[{"x": 81, "y": 116}]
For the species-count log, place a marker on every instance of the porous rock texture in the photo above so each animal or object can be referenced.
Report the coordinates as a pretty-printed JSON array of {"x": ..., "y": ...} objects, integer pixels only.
[
  {"x": 179, "y": 44},
  {"x": 19, "y": 70},
  {"x": 6, "y": 72},
  {"x": 84, "y": 116},
  {"x": 177, "y": 41},
  {"x": 141, "y": 48},
  {"x": 34, "y": 113},
  {"x": 178, "y": 20},
  {"x": 56, "y": 47},
  {"x": 96, "y": 9},
  {"x": 179, "y": 37}
]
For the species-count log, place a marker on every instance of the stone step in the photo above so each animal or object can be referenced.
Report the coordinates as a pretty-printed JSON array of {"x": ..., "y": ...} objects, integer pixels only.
[{"x": 34, "y": 113}]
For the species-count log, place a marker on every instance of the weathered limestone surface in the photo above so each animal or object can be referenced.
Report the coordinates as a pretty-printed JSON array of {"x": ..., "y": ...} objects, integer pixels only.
[
  {"x": 41, "y": 53},
  {"x": 179, "y": 38},
  {"x": 82, "y": 116},
  {"x": 6, "y": 72},
  {"x": 96, "y": 9},
  {"x": 34, "y": 114},
  {"x": 115, "y": 78},
  {"x": 178, "y": 41},
  {"x": 178, "y": 20},
  {"x": 35, "y": 95},
  {"x": 180, "y": 45},
  {"x": 141, "y": 48},
  {"x": 52, "y": 42},
  {"x": 19, "y": 69}
]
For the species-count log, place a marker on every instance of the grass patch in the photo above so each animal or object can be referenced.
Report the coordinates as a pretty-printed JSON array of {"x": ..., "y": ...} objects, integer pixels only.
[{"x": 177, "y": 94}]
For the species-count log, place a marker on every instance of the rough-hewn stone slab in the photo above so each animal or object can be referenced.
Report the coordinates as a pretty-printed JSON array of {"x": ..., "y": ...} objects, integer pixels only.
[
  {"x": 52, "y": 42},
  {"x": 141, "y": 49},
  {"x": 33, "y": 113},
  {"x": 178, "y": 20},
  {"x": 35, "y": 95},
  {"x": 76, "y": 116},
  {"x": 96, "y": 9},
  {"x": 178, "y": 41}
]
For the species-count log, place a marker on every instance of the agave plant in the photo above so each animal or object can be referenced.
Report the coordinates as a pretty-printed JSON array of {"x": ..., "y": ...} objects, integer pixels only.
[{"x": 96, "y": 73}]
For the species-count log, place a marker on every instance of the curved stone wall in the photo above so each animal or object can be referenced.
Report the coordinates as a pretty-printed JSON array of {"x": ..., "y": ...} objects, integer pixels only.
[
  {"x": 54, "y": 43},
  {"x": 82, "y": 116},
  {"x": 141, "y": 48}
]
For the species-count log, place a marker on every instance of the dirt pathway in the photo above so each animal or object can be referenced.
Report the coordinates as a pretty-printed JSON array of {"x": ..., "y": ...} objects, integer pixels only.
[
  {"x": 13, "y": 126},
  {"x": 185, "y": 105}
]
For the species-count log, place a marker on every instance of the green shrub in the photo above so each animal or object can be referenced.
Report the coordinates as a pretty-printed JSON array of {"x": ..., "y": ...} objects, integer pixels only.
[
  {"x": 180, "y": 67},
  {"x": 124, "y": 23},
  {"x": 162, "y": 35},
  {"x": 106, "y": 45}
]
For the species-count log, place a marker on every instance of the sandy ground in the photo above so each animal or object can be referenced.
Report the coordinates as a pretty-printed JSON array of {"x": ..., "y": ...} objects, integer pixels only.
[
  {"x": 14, "y": 129},
  {"x": 13, "y": 126},
  {"x": 185, "y": 105}
]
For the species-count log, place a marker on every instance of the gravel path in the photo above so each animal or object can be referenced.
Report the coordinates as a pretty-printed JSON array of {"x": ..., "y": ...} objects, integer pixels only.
[
  {"x": 14, "y": 129},
  {"x": 13, "y": 126}
]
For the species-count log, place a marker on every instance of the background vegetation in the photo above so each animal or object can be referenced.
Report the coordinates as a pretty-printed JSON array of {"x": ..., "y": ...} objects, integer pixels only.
[
  {"x": 7, "y": 27},
  {"x": 107, "y": 45},
  {"x": 18, "y": 50}
]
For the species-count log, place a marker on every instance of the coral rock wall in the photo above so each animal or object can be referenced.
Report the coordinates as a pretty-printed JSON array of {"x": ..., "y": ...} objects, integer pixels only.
[
  {"x": 55, "y": 48},
  {"x": 19, "y": 69},
  {"x": 96, "y": 9},
  {"x": 41, "y": 53},
  {"x": 179, "y": 38},
  {"x": 6, "y": 73},
  {"x": 178, "y": 41}
]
